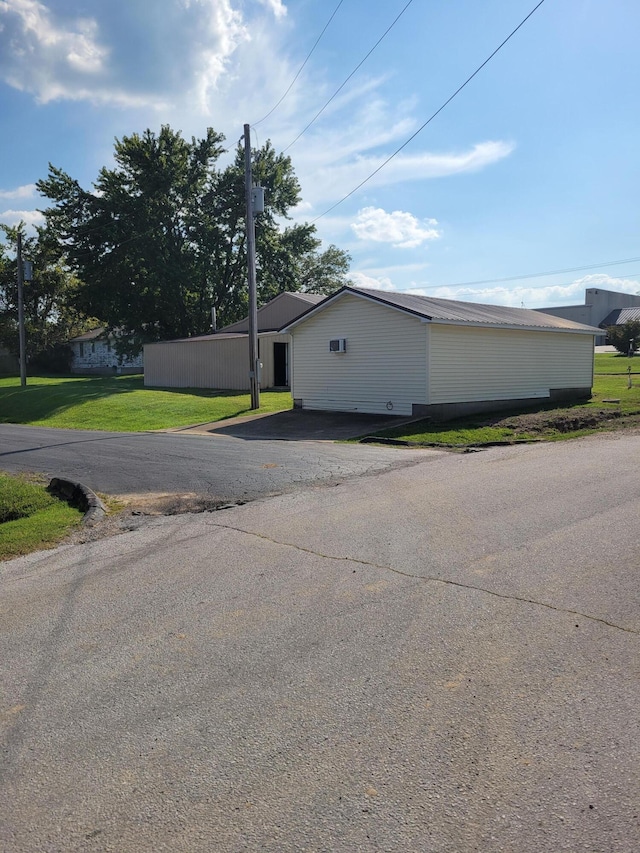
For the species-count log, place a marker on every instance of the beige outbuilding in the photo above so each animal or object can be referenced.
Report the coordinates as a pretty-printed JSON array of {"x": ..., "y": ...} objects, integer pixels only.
[
  {"x": 375, "y": 351},
  {"x": 221, "y": 360}
]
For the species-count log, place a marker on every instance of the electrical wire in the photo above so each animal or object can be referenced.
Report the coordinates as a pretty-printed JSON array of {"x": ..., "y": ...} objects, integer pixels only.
[
  {"x": 536, "y": 275},
  {"x": 273, "y": 109},
  {"x": 339, "y": 89},
  {"x": 430, "y": 119},
  {"x": 520, "y": 289}
]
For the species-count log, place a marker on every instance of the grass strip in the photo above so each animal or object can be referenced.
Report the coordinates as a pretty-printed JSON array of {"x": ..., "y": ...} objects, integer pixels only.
[{"x": 31, "y": 518}]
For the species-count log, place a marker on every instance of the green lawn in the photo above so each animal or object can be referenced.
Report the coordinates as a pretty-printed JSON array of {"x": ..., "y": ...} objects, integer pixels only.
[
  {"x": 31, "y": 518},
  {"x": 613, "y": 362},
  {"x": 121, "y": 403}
]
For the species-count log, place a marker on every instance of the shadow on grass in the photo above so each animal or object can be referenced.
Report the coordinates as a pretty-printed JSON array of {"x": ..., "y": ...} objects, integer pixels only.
[{"x": 47, "y": 395}]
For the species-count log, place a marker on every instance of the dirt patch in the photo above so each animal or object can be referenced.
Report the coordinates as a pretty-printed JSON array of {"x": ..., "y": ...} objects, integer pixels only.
[
  {"x": 564, "y": 421},
  {"x": 166, "y": 503},
  {"x": 132, "y": 512}
]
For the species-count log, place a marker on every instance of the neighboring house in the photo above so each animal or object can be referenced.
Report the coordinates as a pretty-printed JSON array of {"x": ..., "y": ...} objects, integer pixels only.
[
  {"x": 599, "y": 306},
  {"x": 221, "y": 360},
  {"x": 381, "y": 352},
  {"x": 94, "y": 353}
]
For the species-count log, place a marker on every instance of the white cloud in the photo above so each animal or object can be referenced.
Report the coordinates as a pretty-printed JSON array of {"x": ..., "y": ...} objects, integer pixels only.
[
  {"x": 26, "y": 191},
  {"x": 30, "y": 217},
  {"x": 334, "y": 171},
  {"x": 399, "y": 228},
  {"x": 360, "y": 279},
  {"x": 537, "y": 296},
  {"x": 152, "y": 61},
  {"x": 222, "y": 30},
  {"x": 276, "y": 6},
  {"x": 43, "y": 57}
]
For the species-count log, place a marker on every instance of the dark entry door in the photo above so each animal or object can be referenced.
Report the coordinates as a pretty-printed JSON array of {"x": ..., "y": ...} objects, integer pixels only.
[{"x": 281, "y": 364}]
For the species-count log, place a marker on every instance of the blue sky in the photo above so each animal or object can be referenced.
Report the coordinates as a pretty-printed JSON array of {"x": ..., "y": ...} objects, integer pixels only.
[{"x": 532, "y": 168}]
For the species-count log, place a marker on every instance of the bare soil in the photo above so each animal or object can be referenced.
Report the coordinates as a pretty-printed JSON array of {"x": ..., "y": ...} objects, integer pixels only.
[{"x": 567, "y": 420}]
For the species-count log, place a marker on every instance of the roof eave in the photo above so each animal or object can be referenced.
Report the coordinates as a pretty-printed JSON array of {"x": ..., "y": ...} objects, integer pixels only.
[
  {"x": 584, "y": 330},
  {"x": 346, "y": 290}
]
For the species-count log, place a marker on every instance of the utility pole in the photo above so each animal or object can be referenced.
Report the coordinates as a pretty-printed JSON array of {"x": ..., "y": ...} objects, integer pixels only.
[
  {"x": 254, "y": 383},
  {"x": 23, "y": 356}
]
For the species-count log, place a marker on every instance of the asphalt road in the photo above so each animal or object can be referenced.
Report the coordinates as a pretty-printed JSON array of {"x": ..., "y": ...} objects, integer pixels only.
[
  {"x": 442, "y": 657},
  {"x": 220, "y": 467}
]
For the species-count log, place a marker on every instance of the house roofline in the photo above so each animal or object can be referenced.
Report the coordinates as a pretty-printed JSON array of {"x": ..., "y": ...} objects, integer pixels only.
[{"x": 425, "y": 318}]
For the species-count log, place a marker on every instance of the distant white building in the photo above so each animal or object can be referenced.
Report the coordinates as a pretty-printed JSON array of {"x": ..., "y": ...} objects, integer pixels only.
[
  {"x": 601, "y": 308},
  {"x": 94, "y": 353}
]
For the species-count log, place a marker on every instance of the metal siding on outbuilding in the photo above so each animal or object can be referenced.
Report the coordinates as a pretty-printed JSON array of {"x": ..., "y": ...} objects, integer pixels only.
[
  {"x": 385, "y": 361},
  {"x": 214, "y": 362},
  {"x": 470, "y": 364}
]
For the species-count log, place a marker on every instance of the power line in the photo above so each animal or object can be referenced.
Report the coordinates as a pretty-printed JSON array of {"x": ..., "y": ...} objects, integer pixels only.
[
  {"x": 273, "y": 109},
  {"x": 339, "y": 89},
  {"x": 430, "y": 119},
  {"x": 539, "y": 274},
  {"x": 520, "y": 289}
]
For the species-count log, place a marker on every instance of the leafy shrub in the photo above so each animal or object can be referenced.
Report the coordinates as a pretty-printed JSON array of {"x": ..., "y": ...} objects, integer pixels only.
[{"x": 620, "y": 336}]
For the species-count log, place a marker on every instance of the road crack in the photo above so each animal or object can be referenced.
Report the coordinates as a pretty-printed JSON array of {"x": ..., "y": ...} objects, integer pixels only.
[{"x": 433, "y": 579}]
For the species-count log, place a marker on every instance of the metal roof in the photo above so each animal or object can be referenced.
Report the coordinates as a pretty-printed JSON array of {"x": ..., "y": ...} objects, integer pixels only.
[
  {"x": 92, "y": 335},
  {"x": 453, "y": 312},
  {"x": 283, "y": 308},
  {"x": 620, "y": 316}
]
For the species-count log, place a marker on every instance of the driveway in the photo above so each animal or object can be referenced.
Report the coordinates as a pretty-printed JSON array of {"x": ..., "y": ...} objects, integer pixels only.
[
  {"x": 298, "y": 425},
  {"x": 440, "y": 657},
  {"x": 233, "y": 462}
]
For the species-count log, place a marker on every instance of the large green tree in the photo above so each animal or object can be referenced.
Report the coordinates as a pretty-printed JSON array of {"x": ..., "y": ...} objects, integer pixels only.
[
  {"x": 50, "y": 298},
  {"x": 160, "y": 240}
]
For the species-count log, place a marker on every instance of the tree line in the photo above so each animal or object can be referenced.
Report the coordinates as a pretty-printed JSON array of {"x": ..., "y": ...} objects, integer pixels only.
[{"x": 157, "y": 242}]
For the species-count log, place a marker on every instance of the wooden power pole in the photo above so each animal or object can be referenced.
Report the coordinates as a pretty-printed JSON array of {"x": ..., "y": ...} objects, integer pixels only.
[
  {"x": 254, "y": 367},
  {"x": 21, "y": 335}
]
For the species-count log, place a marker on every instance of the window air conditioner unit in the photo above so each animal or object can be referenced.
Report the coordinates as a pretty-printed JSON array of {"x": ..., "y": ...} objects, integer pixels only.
[{"x": 338, "y": 345}]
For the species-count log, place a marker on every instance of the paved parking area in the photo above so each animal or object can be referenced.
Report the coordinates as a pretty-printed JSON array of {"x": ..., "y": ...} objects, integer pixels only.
[{"x": 298, "y": 425}]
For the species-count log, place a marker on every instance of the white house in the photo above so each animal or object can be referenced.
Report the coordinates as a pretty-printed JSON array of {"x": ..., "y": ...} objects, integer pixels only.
[
  {"x": 221, "y": 360},
  {"x": 94, "y": 353},
  {"x": 375, "y": 351}
]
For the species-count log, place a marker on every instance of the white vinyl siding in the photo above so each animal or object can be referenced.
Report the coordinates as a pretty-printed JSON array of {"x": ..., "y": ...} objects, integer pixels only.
[
  {"x": 472, "y": 364},
  {"x": 384, "y": 369},
  {"x": 221, "y": 363}
]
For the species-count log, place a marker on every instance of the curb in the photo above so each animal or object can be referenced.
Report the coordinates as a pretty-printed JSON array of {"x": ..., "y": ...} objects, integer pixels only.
[
  {"x": 81, "y": 496},
  {"x": 399, "y": 442}
]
